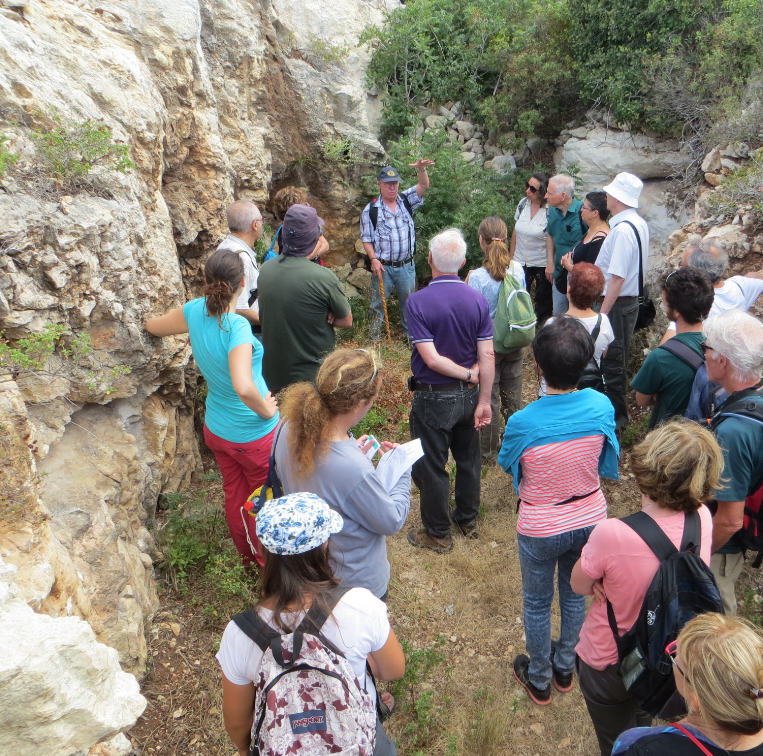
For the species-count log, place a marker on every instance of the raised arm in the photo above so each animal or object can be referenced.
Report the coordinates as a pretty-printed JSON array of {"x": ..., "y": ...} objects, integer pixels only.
[
  {"x": 170, "y": 324},
  {"x": 421, "y": 166}
]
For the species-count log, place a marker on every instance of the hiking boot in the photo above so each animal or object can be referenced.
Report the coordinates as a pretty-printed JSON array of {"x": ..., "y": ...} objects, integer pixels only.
[
  {"x": 562, "y": 680},
  {"x": 467, "y": 529},
  {"x": 422, "y": 540},
  {"x": 522, "y": 674}
]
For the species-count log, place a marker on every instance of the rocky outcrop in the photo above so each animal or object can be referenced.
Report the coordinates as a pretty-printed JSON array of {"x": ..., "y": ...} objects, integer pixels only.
[
  {"x": 60, "y": 690},
  {"x": 217, "y": 100}
]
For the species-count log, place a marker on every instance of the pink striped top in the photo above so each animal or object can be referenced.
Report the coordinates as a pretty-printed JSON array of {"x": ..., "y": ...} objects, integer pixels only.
[{"x": 554, "y": 472}]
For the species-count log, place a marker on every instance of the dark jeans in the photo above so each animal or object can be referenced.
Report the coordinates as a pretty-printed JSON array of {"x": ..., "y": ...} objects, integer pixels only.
[
  {"x": 610, "y": 706},
  {"x": 444, "y": 420},
  {"x": 543, "y": 301},
  {"x": 614, "y": 365}
]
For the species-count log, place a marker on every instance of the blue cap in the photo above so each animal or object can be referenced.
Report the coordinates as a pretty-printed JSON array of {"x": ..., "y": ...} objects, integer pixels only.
[{"x": 388, "y": 175}]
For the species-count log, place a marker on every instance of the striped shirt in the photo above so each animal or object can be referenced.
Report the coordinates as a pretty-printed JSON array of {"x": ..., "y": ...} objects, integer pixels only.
[
  {"x": 394, "y": 238},
  {"x": 554, "y": 472}
]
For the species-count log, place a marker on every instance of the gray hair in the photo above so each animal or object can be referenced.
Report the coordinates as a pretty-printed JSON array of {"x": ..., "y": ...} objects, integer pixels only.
[
  {"x": 564, "y": 183},
  {"x": 241, "y": 215},
  {"x": 710, "y": 257},
  {"x": 448, "y": 250},
  {"x": 738, "y": 336}
]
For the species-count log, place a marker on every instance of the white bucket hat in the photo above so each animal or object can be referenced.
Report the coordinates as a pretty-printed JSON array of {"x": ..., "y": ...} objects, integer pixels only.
[{"x": 626, "y": 187}]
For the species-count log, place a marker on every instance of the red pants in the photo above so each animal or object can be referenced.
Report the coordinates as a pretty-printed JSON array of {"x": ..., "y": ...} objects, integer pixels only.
[{"x": 244, "y": 468}]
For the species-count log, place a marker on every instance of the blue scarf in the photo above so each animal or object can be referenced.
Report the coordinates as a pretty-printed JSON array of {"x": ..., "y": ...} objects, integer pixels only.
[{"x": 561, "y": 417}]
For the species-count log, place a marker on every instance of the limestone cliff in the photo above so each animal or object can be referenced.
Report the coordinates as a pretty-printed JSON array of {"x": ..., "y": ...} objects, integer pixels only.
[{"x": 217, "y": 100}]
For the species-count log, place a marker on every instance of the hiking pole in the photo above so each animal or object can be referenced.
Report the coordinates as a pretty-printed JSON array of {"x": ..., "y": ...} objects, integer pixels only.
[{"x": 384, "y": 305}]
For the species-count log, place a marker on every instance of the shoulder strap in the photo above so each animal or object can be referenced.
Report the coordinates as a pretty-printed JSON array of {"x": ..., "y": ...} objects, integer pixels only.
[
  {"x": 596, "y": 330},
  {"x": 651, "y": 533},
  {"x": 275, "y": 237},
  {"x": 692, "y": 535},
  {"x": 407, "y": 204},
  {"x": 254, "y": 627},
  {"x": 693, "y": 739},
  {"x": 684, "y": 353},
  {"x": 731, "y": 400},
  {"x": 373, "y": 214},
  {"x": 640, "y": 260}
]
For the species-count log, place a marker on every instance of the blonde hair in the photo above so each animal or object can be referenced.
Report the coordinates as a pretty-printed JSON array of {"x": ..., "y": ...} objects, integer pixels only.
[
  {"x": 723, "y": 662},
  {"x": 346, "y": 378},
  {"x": 497, "y": 256},
  {"x": 678, "y": 465},
  {"x": 286, "y": 197}
]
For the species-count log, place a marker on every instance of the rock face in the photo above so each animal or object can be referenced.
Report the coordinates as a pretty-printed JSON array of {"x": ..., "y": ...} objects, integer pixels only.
[
  {"x": 60, "y": 690},
  {"x": 233, "y": 98}
]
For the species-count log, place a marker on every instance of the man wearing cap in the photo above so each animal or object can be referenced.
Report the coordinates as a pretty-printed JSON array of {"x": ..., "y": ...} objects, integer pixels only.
[
  {"x": 389, "y": 238},
  {"x": 619, "y": 261},
  {"x": 245, "y": 226},
  {"x": 300, "y": 303}
]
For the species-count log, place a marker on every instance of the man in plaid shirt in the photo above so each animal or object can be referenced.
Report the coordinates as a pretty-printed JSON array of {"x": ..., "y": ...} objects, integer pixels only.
[{"x": 391, "y": 243}]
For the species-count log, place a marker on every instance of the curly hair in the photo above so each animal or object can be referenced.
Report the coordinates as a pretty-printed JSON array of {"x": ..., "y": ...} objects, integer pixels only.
[
  {"x": 678, "y": 465},
  {"x": 497, "y": 256},
  {"x": 286, "y": 197},
  {"x": 586, "y": 283},
  {"x": 347, "y": 378}
]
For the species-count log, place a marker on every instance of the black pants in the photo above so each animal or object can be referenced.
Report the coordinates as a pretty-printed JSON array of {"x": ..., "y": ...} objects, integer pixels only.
[
  {"x": 614, "y": 364},
  {"x": 444, "y": 420},
  {"x": 544, "y": 305},
  {"x": 612, "y": 709}
]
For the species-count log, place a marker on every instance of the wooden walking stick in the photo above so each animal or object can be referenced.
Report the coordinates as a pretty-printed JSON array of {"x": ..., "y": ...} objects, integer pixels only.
[{"x": 384, "y": 305}]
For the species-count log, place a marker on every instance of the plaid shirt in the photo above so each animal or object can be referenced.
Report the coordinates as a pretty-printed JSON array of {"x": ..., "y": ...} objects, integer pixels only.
[{"x": 395, "y": 235}]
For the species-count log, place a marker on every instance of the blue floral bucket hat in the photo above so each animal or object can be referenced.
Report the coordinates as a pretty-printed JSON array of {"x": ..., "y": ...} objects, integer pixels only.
[{"x": 296, "y": 523}]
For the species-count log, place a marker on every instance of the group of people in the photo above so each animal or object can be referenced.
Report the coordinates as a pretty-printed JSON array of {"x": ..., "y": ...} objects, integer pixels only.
[{"x": 261, "y": 330}]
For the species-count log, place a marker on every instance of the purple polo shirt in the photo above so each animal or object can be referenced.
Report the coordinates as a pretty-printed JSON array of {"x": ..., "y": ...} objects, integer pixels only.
[{"x": 452, "y": 315}]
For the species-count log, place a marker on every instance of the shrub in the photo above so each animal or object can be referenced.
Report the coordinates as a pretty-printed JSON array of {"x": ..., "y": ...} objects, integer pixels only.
[
  {"x": 6, "y": 159},
  {"x": 743, "y": 188}
]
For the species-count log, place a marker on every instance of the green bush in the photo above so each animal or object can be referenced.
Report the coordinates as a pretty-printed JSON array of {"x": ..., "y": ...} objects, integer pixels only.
[
  {"x": 460, "y": 194},
  {"x": 6, "y": 159},
  {"x": 743, "y": 188}
]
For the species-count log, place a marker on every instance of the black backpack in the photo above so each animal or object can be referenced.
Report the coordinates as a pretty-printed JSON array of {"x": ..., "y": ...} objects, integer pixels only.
[
  {"x": 751, "y": 534},
  {"x": 592, "y": 377},
  {"x": 682, "y": 587}
]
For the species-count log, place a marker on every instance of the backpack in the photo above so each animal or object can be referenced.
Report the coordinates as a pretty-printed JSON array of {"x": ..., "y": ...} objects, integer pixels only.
[
  {"x": 706, "y": 396},
  {"x": 751, "y": 534},
  {"x": 688, "y": 356},
  {"x": 682, "y": 587},
  {"x": 307, "y": 697},
  {"x": 514, "y": 324},
  {"x": 592, "y": 377}
]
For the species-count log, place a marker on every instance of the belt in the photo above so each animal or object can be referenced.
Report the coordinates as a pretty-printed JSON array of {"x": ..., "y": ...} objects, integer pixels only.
[
  {"x": 452, "y": 386},
  {"x": 400, "y": 264}
]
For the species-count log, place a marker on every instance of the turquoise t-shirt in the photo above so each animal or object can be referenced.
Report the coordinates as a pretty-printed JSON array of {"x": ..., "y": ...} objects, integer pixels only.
[
  {"x": 226, "y": 415},
  {"x": 566, "y": 231}
]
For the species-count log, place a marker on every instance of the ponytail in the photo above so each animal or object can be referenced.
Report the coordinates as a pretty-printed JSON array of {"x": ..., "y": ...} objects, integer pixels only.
[
  {"x": 222, "y": 276},
  {"x": 497, "y": 256},
  {"x": 346, "y": 379}
]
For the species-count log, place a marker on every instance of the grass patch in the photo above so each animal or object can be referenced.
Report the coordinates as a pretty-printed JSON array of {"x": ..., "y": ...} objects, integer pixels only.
[{"x": 634, "y": 433}]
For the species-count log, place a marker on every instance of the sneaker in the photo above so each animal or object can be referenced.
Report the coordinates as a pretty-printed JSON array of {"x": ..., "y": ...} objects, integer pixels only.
[
  {"x": 467, "y": 529},
  {"x": 562, "y": 680},
  {"x": 422, "y": 540},
  {"x": 522, "y": 674}
]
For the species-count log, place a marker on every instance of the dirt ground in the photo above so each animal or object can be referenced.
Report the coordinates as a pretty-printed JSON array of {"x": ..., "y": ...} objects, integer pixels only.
[{"x": 467, "y": 702}]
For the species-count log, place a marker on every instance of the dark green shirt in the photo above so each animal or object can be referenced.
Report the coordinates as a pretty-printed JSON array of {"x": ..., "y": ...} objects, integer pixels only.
[
  {"x": 566, "y": 231},
  {"x": 296, "y": 296},
  {"x": 741, "y": 441},
  {"x": 669, "y": 377}
]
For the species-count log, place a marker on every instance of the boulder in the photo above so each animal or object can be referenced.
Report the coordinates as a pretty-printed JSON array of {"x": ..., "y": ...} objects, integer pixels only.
[
  {"x": 360, "y": 278},
  {"x": 737, "y": 150},
  {"x": 503, "y": 164},
  {"x": 491, "y": 149},
  {"x": 343, "y": 270},
  {"x": 435, "y": 122},
  {"x": 468, "y": 157},
  {"x": 536, "y": 144},
  {"x": 465, "y": 129},
  {"x": 712, "y": 161},
  {"x": 715, "y": 179},
  {"x": 730, "y": 165},
  {"x": 61, "y": 691}
]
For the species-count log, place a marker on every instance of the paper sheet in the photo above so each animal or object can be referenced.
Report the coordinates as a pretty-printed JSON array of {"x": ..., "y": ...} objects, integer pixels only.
[{"x": 394, "y": 463}]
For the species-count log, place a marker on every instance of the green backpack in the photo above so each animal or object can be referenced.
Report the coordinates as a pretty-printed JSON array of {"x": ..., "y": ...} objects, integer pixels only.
[{"x": 515, "y": 320}]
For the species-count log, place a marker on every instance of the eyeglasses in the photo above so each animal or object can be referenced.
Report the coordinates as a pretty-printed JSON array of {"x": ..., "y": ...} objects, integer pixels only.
[
  {"x": 585, "y": 207},
  {"x": 705, "y": 347},
  {"x": 671, "y": 650},
  {"x": 529, "y": 186}
]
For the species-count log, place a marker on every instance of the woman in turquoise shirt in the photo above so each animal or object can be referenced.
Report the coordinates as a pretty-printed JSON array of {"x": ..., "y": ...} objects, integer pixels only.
[{"x": 241, "y": 414}]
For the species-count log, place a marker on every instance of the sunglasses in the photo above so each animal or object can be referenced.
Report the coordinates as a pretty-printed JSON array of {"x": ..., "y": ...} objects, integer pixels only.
[
  {"x": 529, "y": 186},
  {"x": 671, "y": 650},
  {"x": 705, "y": 347}
]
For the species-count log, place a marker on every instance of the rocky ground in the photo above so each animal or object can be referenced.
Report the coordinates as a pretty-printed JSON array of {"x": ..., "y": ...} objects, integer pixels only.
[{"x": 459, "y": 614}]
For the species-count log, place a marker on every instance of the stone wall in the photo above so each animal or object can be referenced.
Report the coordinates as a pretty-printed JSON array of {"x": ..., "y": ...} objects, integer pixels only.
[{"x": 223, "y": 99}]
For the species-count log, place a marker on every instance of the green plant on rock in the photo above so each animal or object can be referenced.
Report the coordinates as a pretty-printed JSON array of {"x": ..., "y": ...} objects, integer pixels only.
[
  {"x": 340, "y": 150},
  {"x": 741, "y": 190},
  {"x": 6, "y": 159},
  {"x": 327, "y": 52},
  {"x": 71, "y": 151}
]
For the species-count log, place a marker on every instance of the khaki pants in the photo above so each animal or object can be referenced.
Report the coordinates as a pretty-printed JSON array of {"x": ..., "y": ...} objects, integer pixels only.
[
  {"x": 505, "y": 398},
  {"x": 726, "y": 568}
]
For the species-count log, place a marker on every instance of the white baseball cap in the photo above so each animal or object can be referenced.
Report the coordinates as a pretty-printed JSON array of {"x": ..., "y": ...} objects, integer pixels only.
[{"x": 626, "y": 187}]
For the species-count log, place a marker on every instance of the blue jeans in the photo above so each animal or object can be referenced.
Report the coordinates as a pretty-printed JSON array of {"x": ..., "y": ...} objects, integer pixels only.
[
  {"x": 561, "y": 304},
  {"x": 538, "y": 558},
  {"x": 403, "y": 281},
  {"x": 444, "y": 420}
]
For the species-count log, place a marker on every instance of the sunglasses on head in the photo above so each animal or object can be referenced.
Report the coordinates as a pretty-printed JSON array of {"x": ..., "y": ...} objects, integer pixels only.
[
  {"x": 529, "y": 186},
  {"x": 671, "y": 650}
]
